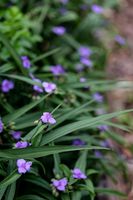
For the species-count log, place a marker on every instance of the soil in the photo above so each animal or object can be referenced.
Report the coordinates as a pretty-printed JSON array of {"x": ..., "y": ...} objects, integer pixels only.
[{"x": 120, "y": 67}]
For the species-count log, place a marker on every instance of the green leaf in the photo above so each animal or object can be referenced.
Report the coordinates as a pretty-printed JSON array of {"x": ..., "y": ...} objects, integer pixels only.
[
  {"x": 10, "y": 193},
  {"x": 2, "y": 192},
  {"x": 111, "y": 192},
  {"x": 36, "y": 152},
  {"x": 38, "y": 181},
  {"x": 30, "y": 197},
  {"x": 62, "y": 131},
  {"x": 49, "y": 53},
  {"x": 66, "y": 170},
  {"x": 76, "y": 195},
  {"x": 10, "y": 179},
  {"x": 13, "y": 53},
  {"x": 23, "y": 110},
  {"x": 65, "y": 197},
  {"x": 81, "y": 162},
  {"x": 22, "y": 78}
]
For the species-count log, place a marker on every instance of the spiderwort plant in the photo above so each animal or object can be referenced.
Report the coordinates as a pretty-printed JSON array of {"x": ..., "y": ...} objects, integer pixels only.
[{"x": 57, "y": 127}]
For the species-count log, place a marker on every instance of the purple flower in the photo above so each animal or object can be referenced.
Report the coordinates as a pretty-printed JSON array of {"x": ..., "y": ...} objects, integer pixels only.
[
  {"x": 49, "y": 87},
  {"x": 97, "y": 9},
  {"x": 87, "y": 62},
  {"x": 7, "y": 85},
  {"x": 21, "y": 144},
  {"x": 79, "y": 67},
  {"x": 120, "y": 40},
  {"x": 1, "y": 126},
  {"x": 64, "y": 1},
  {"x": 57, "y": 70},
  {"x": 37, "y": 88},
  {"x": 63, "y": 11},
  {"x": 105, "y": 143},
  {"x": 23, "y": 166},
  {"x": 103, "y": 128},
  {"x": 78, "y": 142},
  {"x": 16, "y": 134},
  {"x": 82, "y": 80},
  {"x": 78, "y": 174},
  {"x": 59, "y": 30},
  {"x": 26, "y": 62},
  {"x": 98, "y": 97},
  {"x": 84, "y": 51},
  {"x": 100, "y": 111},
  {"x": 47, "y": 118},
  {"x": 60, "y": 184},
  {"x": 84, "y": 7},
  {"x": 98, "y": 154}
]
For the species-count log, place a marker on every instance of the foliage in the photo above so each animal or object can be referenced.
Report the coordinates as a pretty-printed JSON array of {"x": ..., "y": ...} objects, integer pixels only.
[{"x": 80, "y": 138}]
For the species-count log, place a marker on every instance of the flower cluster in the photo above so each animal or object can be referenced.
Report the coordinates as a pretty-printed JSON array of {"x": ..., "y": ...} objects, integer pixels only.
[
  {"x": 85, "y": 53},
  {"x": 61, "y": 184}
]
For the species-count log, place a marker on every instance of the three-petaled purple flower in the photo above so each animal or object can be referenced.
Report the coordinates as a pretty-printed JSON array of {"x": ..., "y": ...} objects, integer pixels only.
[
  {"x": 97, "y": 9},
  {"x": 84, "y": 51},
  {"x": 78, "y": 174},
  {"x": 26, "y": 62},
  {"x": 78, "y": 142},
  {"x": 23, "y": 166},
  {"x": 60, "y": 184},
  {"x": 57, "y": 70},
  {"x": 59, "y": 30},
  {"x": 7, "y": 85},
  {"x": 16, "y": 134},
  {"x": 49, "y": 87},
  {"x": 47, "y": 118},
  {"x": 21, "y": 144},
  {"x": 1, "y": 126},
  {"x": 86, "y": 61},
  {"x": 120, "y": 40},
  {"x": 103, "y": 128},
  {"x": 38, "y": 88},
  {"x": 98, "y": 97}
]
